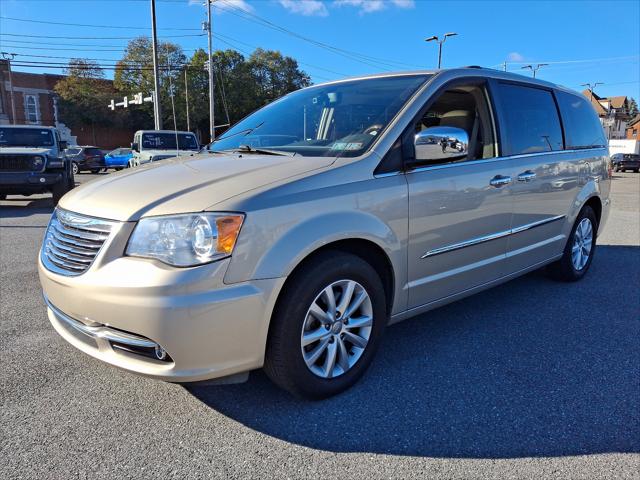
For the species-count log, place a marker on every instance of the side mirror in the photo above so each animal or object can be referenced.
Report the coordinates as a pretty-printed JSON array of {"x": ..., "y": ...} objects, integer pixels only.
[
  {"x": 135, "y": 147},
  {"x": 441, "y": 143},
  {"x": 63, "y": 145}
]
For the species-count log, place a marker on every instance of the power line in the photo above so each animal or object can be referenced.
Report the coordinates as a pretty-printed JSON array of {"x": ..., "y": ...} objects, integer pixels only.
[
  {"x": 77, "y": 49},
  {"x": 130, "y": 27},
  {"x": 93, "y": 38},
  {"x": 359, "y": 57}
]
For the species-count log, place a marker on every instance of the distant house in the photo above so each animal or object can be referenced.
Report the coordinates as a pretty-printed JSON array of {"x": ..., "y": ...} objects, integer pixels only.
[
  {"x": 613, "y": 113},
  {"x": 633, "y": 128},
  {"x": 36, "y": 103}
]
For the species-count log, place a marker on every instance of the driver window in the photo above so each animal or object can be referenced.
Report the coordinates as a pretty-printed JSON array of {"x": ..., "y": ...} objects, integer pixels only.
[{"x": 465, "y": 108}]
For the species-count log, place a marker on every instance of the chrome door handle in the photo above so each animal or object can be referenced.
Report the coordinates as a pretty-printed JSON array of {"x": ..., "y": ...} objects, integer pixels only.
[
  {"x": 526, "y": 176},
  {"x": 500, "y": 181}
]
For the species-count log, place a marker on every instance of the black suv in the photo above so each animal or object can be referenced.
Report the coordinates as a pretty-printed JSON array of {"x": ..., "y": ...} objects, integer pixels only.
[
  {"x": 86, "y": 158},
  {"x": 626, "y": 161},
  {"x": 31, "y": 161}
]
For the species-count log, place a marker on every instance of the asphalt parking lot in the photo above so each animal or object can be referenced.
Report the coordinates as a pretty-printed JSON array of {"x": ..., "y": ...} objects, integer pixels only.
[{"x": 532, "y": 379}]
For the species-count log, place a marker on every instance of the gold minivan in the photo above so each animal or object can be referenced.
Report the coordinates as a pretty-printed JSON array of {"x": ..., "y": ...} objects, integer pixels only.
[{"x": 313, "y": 223}]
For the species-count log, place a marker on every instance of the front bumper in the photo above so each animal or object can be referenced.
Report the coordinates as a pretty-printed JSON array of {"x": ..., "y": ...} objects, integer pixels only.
[
  {"x": 27, "y": 182},
  {"x": 208, "y": 329}
]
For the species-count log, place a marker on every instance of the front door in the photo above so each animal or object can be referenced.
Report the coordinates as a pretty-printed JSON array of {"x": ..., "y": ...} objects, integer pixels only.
[{"x": 459, "y": 211}]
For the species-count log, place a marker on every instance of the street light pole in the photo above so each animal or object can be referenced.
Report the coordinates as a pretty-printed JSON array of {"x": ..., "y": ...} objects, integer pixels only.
[
  {"x": 186, "y": 95},
  {"x": 8, "y": 57},
  {"x": 536, "y": 68},
  {"x": 591, "y": 87},
  {"x": 212, "y": 127},
  {"x": 157, "y": 109},
  {"x": 440, "y": 42}
]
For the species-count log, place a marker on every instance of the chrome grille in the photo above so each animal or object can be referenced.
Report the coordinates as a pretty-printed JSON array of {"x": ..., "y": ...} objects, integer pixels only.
[{"x": 73, "y": 241}]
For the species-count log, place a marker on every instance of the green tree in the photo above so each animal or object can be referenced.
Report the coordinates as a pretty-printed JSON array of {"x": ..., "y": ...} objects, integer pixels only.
[
  {"x": 633, "y": 107},
  {"x": 84, "y": 95},
  {"x": 134, "y": 73},
  {"x": 275, "y": 75},
  {"x": 241, "y": 85}
]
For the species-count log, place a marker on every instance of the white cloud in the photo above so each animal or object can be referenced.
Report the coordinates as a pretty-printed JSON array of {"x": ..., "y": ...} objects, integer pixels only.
[
  {"x": 305, "y": 7},
  {"x": 369, "y": 6},
  {"x": 515, "y": 57}
]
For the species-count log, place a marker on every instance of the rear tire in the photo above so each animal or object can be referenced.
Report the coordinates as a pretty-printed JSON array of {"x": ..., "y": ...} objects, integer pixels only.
[
  {"x": 579, "y": 250},
  {"x": 289, "y": 360}
]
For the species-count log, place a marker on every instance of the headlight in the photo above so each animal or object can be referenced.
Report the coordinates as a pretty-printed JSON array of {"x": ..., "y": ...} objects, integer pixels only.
[
  {"x": 186, "y": 240},
  {"x": 37, "y": 162}
]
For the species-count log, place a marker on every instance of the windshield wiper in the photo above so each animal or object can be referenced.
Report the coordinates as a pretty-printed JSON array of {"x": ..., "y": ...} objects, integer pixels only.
[{"x": 262, "y": 151}]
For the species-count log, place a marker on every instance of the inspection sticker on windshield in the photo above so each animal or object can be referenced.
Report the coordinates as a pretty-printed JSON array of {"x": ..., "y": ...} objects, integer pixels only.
[{"x": 346, "y": 146}]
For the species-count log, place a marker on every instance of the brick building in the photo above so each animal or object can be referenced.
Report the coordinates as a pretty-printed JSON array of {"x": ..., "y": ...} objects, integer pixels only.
[
  {"x": 36, "y": 103},
  {"x": 633, "y": 128}
]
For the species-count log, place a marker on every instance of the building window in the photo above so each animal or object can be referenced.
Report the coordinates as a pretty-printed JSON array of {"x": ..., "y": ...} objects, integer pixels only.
[{"x": 31, "y": 109}]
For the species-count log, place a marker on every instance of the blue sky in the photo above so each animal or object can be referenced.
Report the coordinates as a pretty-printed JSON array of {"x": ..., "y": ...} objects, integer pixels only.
[{"x": 595, "y": 41}]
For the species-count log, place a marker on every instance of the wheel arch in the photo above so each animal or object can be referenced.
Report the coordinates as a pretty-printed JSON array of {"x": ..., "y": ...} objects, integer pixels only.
[{"x": 365, "y": 249}]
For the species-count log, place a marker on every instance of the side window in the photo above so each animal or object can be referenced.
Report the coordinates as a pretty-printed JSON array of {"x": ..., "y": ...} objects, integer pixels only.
[
  {"x": 581, "y": 124},
  {"x": 31, "y": 108},
  {"x": 463, "y": 107},
  {"x": 530, "y": 120}
]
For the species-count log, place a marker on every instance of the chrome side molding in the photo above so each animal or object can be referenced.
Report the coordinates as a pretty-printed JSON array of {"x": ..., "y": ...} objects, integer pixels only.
[{"x": 493, "y": 236}]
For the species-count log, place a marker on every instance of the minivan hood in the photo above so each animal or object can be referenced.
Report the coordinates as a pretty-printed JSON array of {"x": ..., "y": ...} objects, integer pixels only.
[{"x": 183, "y": 184}]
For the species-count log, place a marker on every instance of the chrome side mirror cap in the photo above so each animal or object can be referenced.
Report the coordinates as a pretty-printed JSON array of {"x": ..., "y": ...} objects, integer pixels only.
[{"x": 441, "y": 143}]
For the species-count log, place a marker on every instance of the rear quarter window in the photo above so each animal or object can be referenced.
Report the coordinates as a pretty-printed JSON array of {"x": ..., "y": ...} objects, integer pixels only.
[
  {"x": 581, "y": 124},
  {"x": 529, "y": 119}
]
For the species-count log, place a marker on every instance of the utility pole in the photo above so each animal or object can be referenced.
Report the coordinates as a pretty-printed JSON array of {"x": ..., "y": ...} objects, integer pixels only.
[
  {"x": 504, "y": 66},
  {"x": 591, "y": 86},
  {"x": 8, "y": 57},
  {"x": 440, "y": 42},
  {"x": 157, "y": 109},
  {"x": 212, "y": 125},
  {"x": 186, "y": 95},
  {"x": 534, "y": 69}
]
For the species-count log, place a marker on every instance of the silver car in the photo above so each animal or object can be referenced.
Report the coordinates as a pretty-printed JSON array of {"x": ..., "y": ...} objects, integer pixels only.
[{"x": 318, "y": 220}]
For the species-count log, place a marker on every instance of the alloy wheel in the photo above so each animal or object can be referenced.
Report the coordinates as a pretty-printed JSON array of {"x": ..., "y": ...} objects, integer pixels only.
[
  {"x": 582, "y": 244},
  {"x": 336, "y": 329}
]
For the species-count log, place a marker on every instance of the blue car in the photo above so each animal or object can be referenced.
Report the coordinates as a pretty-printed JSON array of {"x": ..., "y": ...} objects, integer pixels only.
[{"x": 118, "y": 158}]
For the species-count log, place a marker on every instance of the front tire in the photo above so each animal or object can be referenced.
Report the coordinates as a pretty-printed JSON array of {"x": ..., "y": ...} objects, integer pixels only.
[
  {"x": 579, "y": 250},
  {"x": 75, "y": 168},
  {"x": 326, "y": 327}
]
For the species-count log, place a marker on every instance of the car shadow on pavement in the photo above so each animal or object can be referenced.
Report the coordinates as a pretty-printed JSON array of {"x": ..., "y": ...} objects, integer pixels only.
[
  {"x": 11, "y": 208},
  {"x": 531, "y": 368}
]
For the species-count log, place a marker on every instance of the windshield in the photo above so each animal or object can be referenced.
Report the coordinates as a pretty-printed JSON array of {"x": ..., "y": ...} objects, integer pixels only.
[
  {"x": 25, "y": 137},
  {"x": 167, "y": 141},
  {"x": 329, "y": 120}
]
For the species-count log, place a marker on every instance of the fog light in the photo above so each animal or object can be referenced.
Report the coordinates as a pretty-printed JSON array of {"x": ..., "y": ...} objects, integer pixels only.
[
  {"x": 42, "y": 180},
  {"x": 161, "y": 354}
]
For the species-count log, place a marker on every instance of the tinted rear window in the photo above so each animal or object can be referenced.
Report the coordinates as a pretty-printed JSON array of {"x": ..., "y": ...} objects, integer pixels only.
[
  {"x": 581, "y": 124},
  {"x": 93, "y": 151},
  {"x": 531, "y": 117}
]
